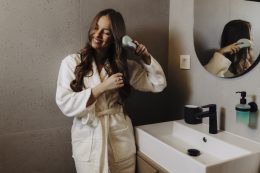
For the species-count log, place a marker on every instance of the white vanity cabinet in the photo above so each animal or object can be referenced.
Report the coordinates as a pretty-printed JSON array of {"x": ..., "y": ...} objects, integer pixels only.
[{"x": 146, "y": 165}]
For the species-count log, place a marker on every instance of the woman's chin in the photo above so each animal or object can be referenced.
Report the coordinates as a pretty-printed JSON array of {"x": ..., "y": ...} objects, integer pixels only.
[
  {"x": 95, "y": 46},
  {"x": 99, "y": 47}
]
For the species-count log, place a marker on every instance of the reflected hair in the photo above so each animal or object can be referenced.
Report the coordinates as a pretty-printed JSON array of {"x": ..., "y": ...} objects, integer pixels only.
[
  {"x": 232, "y": 32},
  {"x": 116, "y": 58}
]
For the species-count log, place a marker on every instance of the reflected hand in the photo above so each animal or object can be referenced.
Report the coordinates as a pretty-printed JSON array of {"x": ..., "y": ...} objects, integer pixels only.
[{"x": 231, "y": 49}]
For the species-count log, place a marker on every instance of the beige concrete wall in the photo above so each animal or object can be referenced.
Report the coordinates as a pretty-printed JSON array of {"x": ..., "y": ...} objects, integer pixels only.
[{"x": 35, "y": 36}]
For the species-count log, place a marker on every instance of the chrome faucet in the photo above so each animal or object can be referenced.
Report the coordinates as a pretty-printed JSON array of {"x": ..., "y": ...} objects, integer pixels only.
[{"x": 212, "y": 114}]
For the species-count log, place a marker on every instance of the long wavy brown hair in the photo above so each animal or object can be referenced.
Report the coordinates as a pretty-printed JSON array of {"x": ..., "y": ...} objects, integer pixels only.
[{"x": 116, "y": 58}]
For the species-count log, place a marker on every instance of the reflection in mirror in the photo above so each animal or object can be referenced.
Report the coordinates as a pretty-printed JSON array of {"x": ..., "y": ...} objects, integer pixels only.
[
  {"x": 224, "y": 37},
  {"x": 235, "y": 53}
]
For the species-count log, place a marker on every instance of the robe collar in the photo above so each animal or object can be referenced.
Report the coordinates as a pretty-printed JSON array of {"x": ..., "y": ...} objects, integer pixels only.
[{"x": 99, "y": 77}]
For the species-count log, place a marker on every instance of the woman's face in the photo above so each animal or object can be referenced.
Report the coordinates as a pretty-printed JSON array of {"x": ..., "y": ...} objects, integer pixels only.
[{"x": 101, "y": 35}]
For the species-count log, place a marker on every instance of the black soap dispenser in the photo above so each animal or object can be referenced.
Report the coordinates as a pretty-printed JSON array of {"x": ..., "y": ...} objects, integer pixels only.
[{"x": 242, "y": 109}]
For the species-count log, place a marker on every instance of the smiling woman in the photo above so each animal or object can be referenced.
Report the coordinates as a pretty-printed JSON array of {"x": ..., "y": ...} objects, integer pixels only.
[
  {"x": 93, "y": 86},
  {"x": 221, "y": 30}
]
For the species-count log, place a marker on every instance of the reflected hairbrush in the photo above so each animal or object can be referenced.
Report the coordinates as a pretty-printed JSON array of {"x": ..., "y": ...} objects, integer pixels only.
[{"x": 244, "y": 43}]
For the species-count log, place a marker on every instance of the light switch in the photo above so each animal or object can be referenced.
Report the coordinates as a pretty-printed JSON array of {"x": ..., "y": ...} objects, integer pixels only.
[{"x": 185, "y": 62}]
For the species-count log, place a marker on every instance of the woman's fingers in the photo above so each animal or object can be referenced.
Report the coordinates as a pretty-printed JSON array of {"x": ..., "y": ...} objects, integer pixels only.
[
  {"x": 118, "y": 77},
  {"x": 140, "y": 50},
  {"x": 234, "y": 48},
  {"x": 118, "y": 80}
]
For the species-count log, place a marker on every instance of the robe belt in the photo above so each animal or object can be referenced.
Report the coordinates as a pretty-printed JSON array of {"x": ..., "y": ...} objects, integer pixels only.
[
  {"x": 110, "y": 111},
  {"x": 92, "y": 119}
]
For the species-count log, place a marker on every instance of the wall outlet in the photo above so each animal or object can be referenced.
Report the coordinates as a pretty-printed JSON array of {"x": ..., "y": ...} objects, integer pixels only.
[{"x": 185, "y": 62}]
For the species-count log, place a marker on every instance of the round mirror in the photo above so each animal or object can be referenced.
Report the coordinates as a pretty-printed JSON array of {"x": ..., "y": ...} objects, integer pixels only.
[{"x": 227, "y": 36}]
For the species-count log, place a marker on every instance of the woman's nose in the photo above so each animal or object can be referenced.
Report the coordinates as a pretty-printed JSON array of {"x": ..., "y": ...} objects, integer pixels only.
[{"x": 98, "y": 33}]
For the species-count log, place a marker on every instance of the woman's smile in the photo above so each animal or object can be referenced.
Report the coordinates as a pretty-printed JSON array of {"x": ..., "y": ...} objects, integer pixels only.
[{"x": 97, "y": 41}]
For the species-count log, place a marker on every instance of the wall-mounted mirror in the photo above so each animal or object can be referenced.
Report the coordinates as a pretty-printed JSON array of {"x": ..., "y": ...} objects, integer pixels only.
[{"x": 227, "y": 36}]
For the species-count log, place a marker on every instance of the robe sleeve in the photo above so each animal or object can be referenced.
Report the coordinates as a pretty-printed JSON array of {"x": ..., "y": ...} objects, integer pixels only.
[
  {"x": 73, "y": 104},
  {"x": 218, "y": 65},
  {"x": 148, "y": 78}
]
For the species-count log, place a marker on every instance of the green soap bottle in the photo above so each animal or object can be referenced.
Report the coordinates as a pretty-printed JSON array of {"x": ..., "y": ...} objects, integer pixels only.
[{"x": 242, "y": 109}]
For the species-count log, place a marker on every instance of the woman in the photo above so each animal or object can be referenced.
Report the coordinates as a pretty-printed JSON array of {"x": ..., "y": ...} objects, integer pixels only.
[
  {"x": 92, "y": 87},
  {"x": 231, "y": 60}
]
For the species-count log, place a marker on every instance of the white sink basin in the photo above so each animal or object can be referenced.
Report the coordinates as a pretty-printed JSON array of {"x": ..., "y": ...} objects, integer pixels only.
[{"x": 167, "y": 144}]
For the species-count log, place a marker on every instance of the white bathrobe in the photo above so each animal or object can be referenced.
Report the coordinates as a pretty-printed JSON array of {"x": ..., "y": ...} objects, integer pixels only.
[{"x": 102, "y": 136}]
